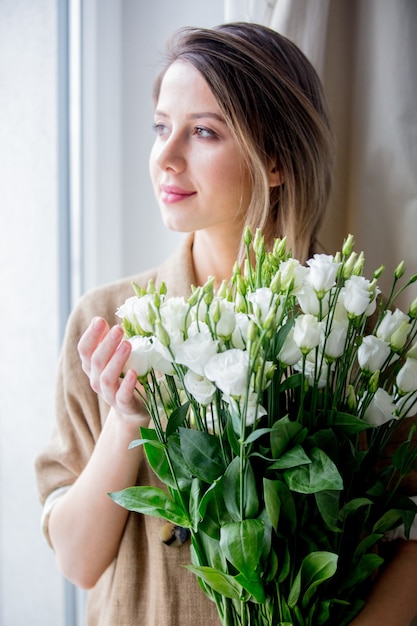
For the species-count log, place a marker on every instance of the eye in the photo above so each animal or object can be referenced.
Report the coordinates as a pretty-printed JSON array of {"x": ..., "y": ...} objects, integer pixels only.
[
  {"x": 160, "y": 129},
  {"x": 204, "y": 133}
]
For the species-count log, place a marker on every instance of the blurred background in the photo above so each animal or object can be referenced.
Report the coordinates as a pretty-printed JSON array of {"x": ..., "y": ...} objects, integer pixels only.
[{"x": 77, "y": 208}]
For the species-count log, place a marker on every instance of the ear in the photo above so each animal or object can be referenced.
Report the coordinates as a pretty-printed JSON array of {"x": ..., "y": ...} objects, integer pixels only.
[{"x": 275, "y": 177}]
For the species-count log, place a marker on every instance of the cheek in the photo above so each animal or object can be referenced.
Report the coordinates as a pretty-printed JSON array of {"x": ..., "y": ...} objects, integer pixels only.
[{"x": 153, "y": 169}]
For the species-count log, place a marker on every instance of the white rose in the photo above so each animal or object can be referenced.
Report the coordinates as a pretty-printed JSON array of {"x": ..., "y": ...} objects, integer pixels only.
[
  {"x": 407, "y": 377},
  {"x": 390, "y": 323},
  {"x": 229, "y": 371},
  {"x": 290, "y": 353},
  {"x": 333, "y": 344},
  {"x": 196, "y": 351},
  {"x": 322, "y": 274},
  {"x": 199, "y": 387},
  {"x": 292, "y": 275},
  {"x": 174, "y": 314},
  {"x": 135, "y": 310},
  {"x": 381, "y": 408},
  {"x": 262, "y": 300},
  {"x": 125, "y": 311},
  {"x": 310, "y": 303},
  {"x": 372, "y": 354},
  {"x": 358, "y": 296},
  {"x": 142, "y": 357},
  {"x": 307, "y": 331}
]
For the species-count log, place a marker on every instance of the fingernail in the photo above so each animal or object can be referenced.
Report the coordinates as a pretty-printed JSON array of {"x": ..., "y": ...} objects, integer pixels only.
[
  {"x": 98, "y": 323},
  {"x": 115, "y": 332}
]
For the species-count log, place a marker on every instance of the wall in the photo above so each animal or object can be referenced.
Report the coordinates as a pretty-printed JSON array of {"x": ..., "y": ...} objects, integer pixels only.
[{"x": 30, "y": 587}]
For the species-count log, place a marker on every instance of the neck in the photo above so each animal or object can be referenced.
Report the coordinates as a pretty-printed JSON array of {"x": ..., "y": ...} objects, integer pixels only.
[{"x": 214, "y": 255}]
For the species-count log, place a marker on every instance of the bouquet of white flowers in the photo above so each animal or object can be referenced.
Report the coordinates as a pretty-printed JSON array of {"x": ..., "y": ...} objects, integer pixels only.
[{"x": 273, "y": 400}]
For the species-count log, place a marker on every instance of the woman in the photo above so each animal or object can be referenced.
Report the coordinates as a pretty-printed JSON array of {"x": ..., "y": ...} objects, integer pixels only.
[{"x": 242, "y": 137}]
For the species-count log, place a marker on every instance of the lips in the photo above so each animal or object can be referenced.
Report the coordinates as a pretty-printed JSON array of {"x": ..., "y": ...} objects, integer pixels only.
[{"x": 172, "y": 193}]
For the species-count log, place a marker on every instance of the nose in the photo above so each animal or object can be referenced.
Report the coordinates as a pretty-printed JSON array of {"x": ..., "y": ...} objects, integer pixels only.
[{"x": 170, "y": 154}]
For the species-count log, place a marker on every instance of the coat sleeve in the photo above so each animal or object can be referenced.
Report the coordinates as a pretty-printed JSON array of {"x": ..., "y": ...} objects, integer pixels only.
[{"x": 80, "y": 413}]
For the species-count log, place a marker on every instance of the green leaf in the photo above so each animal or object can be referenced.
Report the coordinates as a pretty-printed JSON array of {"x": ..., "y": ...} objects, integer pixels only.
[
  {"x": 177, "y": 418},
  {"x": 281, "y": 335},
  {"x": 242, "y": 544},
  {"x": 362, "y": 570},
  {"x": 151, "y": 501},
  {"x": 202, "y": 453},
  {"x": 232, "y": 437},
  {"x": 350, "y": 424},
  {"x": 210, "y": 548},
  {"x": 253, "y": 585},
  {"x": 293, "y": 458},
  {"x": 366, "y": 544},
  {"x": 256, "y": 434},
  {"x": 148, "y": 435},
  {"x": 231, "y": 491},
  {"x": 212, "y": 510},
  {"x": 388, "y": 521},
  {"x": 224, "y": 584},
  {"x": 156, "y": 455},
  {"x": 280, "y": 507},
  {"x": 272, "y": 501},
  {"x": 284, "y": 561},
  {"x": 316, "y": 568},
  {"x": 328, "y": 505},
  {"x": 353, "y": 505},
  {"x": 181, "y": 470},
  {"x": 282, "y": 432},
  {"x": 319, "y": 568},
  {"x": 296, "y": 380},
  {"x": 320, "y": 475}
]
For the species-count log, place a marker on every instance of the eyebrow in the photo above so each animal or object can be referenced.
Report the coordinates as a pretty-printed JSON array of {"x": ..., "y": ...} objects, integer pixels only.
[{"x": 197, "y": 116}]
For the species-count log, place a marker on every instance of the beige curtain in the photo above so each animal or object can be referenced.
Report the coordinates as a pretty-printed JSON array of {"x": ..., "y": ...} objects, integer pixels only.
[{"x": 366, "y": 54}]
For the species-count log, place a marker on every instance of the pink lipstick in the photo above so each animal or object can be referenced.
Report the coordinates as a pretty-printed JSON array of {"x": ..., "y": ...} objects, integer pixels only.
[{"x": 171, "y": 194}]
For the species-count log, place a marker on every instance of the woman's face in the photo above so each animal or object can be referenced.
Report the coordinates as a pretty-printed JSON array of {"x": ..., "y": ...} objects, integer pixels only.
[{"x": 199, "y": 176}]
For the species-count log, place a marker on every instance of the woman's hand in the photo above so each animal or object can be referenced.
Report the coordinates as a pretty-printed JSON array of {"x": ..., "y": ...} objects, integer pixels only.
[
  {"x": 85, "y": 525},
  {"x": 104, "y": 354}
]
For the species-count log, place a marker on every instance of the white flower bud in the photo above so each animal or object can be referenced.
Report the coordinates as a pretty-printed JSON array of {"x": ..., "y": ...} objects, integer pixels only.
[{"x": 407, "y": 377}]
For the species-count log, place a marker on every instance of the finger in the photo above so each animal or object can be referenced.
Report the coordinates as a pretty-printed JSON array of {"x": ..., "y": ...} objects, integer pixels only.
[
  {"x": 126, "y": 397},
  {"x": 104, "y": 353},
  {"x": 110, "y": 380},
  {"x": 90, "y": 339}
]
